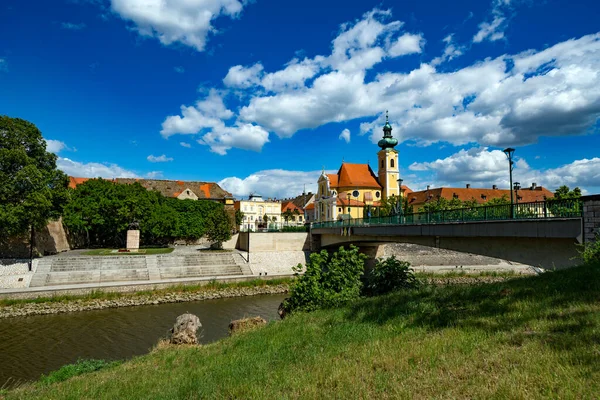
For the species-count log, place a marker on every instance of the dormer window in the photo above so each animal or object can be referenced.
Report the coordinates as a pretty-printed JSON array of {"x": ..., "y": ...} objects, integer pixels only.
[
  {"x": 484, "y": 197},
  {"x": 454, "y": 195}
]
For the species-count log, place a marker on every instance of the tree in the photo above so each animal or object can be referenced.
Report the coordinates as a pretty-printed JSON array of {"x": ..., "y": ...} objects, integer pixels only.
[
  {"x": 239, "y": 217},
  {"x": 563, "y": 193},
  {"x": 32, "y": 189},
  {"x": 287, "y": 215},
  {"x": 219, "y": 227}
]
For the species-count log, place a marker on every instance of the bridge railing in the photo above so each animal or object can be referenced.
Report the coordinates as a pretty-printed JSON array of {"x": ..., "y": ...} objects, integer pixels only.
[{"x": 570, "y": 208}]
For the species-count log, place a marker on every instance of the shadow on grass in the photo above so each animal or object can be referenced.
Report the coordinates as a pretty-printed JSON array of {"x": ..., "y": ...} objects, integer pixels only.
[{"x": 560, "y": 309}]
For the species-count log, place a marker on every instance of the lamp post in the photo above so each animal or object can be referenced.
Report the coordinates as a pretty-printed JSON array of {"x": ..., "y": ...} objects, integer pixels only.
[
  {"x": 400, "y": 202},
  {"x": 517, "y": 186},
  {"x": 509, "y": 154}
]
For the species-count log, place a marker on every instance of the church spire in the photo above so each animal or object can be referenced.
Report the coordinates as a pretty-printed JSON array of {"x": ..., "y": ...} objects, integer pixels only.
[{"x": 388, "y": 141}]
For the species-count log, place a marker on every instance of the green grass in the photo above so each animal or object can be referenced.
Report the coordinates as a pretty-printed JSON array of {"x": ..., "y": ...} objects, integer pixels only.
[
  {"x": 101, "y": 295},
  {"x": 142, "y": 252},
  {"x": 533, "y": 337},
  {"x": 79, "y": 368}
]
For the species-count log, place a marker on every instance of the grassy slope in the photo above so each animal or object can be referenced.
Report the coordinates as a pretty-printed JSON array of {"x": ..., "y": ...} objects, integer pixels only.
[{"x": 533, "y": 337}]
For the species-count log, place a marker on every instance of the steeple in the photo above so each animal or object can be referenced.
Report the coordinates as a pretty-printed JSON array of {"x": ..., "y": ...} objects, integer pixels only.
[{"x": 388, "y": 141}]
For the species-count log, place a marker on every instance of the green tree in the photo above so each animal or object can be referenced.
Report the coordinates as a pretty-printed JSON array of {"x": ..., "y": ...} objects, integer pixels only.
[
  {"x": 32, "y": 190},
  {"x": 239, "y": 217},
  {"x": 287, "y": 215},
  {"x": 218, "y": 229},
  {"x": 563, "y": 193}
]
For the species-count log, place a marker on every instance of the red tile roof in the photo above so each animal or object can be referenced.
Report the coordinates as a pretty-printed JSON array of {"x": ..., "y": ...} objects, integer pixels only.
[
  {"x": 480, "y": 195},
  {"x": 357, "y": 175},
  {"x": 289, "y": 205},
  {"x": 333, "y": 180},
  {"x": 73, "y": 181},
  {"x": 311, "y": 206}
]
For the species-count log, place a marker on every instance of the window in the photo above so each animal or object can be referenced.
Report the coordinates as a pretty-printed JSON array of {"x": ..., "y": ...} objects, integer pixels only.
[
  {"x": 356, "y": 193},
  {"x": 392, "y": 163},
  {"x": 340, "y": 209},
  {"x": 484, "y": 197},
  {"x": 454, "y": 195},
  {"x": 377, "y": 194},
  {"x": 382, "y": 164},
  {"x": 348, "y": 209}
]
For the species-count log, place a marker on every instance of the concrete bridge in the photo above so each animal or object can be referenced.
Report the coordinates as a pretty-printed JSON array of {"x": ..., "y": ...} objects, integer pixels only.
[{"x": 544, "y": 239}]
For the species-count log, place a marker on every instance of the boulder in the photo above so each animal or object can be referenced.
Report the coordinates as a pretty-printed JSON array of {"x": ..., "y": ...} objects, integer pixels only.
[
  {"x": 184, "y": 330},
  {"x": 244, "y": 324}
]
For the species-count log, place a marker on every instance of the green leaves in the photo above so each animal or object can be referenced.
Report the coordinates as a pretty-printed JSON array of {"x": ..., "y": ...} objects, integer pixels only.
[{"x": 390, "y": 274}]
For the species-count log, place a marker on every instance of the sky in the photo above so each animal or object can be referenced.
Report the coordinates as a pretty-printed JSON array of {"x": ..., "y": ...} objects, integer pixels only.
[{"x": 262, "y": 95}]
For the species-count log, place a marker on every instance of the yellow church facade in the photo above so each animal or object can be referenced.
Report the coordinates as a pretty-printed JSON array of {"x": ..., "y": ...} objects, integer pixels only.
[{"x": 355, "y": 187}]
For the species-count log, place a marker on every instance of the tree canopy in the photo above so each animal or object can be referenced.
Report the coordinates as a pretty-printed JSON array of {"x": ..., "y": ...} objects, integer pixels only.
[
  {"x": 563, "y": 193},
  {"x": 32, "y": 189}
]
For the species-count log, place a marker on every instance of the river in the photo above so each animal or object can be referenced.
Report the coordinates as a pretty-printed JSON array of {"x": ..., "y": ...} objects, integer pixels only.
[{"x": 35, "y": 345}]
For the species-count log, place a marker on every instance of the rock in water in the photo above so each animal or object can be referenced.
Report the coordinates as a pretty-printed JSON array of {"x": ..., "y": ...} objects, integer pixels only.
[
  {"x": 244, "y": 324},
  {"x": 184, "y": 330}
]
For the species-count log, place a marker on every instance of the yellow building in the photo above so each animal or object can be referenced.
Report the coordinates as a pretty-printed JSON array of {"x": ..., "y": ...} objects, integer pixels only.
[
  {"x": 259, "y": 213},
  {"x": 355, "y": 186}
]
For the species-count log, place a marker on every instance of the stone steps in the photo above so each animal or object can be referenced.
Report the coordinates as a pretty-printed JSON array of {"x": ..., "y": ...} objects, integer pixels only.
[
  {"x": 67, "y": 278},
  {"x": 199, "y": 271}
]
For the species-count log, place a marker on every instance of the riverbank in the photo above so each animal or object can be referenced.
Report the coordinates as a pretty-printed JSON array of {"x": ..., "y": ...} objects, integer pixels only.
[
  {"x": 99, "y": 300},
  {"x": 532, "y": 337}
]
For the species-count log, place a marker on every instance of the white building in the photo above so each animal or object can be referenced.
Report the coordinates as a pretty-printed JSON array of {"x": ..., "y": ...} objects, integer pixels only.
[{"x": 259, "y": 213}]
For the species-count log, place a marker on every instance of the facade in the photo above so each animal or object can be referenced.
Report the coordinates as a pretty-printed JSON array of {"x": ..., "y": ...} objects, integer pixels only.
[
  {"x": 297, "y": 217},
  {"x": 255, "y": 209}
]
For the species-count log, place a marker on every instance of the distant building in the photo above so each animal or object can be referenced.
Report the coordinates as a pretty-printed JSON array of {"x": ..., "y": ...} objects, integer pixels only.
[
  {"x": 170, "y": 188},
  {"x": 255, "y": 209},
  {"x": 297, "y": 217}
]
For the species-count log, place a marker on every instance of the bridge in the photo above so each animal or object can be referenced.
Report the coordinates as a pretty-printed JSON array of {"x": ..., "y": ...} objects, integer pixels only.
[{"x": 543, "y": 234}]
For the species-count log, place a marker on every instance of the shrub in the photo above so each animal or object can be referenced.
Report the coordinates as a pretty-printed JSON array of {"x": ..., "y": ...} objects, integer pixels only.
[
  {"x": 329, "y": 280},
  {"x": 80, "y": 367},
  {"x": 390, "y": 274},
  {"x": 590, "y": 252}
]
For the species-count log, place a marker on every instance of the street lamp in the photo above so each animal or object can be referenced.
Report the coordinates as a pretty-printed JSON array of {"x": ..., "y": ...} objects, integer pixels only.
[{"x": 509, "y": 154}]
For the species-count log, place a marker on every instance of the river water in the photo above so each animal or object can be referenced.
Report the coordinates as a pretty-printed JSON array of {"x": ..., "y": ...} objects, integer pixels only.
[{"x": 31, "y": 346}]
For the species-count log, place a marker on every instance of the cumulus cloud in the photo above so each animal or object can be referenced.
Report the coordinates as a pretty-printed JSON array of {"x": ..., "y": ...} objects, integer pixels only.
[
  {"x": 154, "y": 175},
  {"x": 183, "y": 21},
  {"x": 55, "y": 146},
  {"x": 483, "y": 167},
  {"x": 407, "y": 44},
  {"x": 93, "y": 170},
  {"x": 156, "y": 159},
  {"x": 274, "y": 183},
  {"x": 345, "y": 135},
  {"x": 507, "y": 100}
]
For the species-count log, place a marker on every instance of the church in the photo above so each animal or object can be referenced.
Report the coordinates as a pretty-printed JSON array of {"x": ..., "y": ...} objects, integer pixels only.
[{"x": 347, "y": 193}]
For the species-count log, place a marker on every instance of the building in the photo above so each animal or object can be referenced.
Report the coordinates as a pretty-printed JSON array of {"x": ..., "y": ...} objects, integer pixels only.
[
  {"x": 170, "y": 188},
  {"x": 259, "y": 213},
  {"x": 297, "y": 214},
  {"x": 347, "y": 193},
  {"x": 481, "y": 195}
]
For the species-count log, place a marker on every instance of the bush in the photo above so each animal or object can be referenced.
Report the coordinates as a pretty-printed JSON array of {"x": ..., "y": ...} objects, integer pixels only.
[
  {"x": 294, "y": 229},
  {"x": 590, "y": 252},
  {"x": 329, "y": 280},
  {"x": 80, "y": 367},
  {"x": 390, "y": 274}
]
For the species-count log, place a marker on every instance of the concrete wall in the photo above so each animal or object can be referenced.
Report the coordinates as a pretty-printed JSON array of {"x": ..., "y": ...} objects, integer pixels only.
[
  {"x": 51, "y": 239},
  {"x": 274, "y": 241},
  {"x": 591, "y": 217}
]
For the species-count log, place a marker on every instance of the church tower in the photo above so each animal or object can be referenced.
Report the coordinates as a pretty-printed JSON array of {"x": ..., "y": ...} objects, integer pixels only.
[{"x": 387, "y": 159}]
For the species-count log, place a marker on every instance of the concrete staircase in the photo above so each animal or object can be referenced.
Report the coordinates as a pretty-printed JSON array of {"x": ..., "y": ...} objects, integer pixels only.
[{"x": 52, "y": 271}]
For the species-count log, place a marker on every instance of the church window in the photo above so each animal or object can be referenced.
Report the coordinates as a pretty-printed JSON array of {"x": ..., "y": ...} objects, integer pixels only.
[
  {"x": 356, "y": 193},
  {"x": 392, "y": 163},
  {"x": 377, "y": 194}
]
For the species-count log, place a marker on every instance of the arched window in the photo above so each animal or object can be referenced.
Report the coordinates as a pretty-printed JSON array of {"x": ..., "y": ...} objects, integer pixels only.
[
  {"x": 392, "y": 163},
  {"x": 381, "y": 163}
]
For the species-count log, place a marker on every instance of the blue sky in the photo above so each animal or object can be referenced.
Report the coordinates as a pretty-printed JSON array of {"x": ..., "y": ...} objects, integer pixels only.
[{"x": 261, "y": 95}]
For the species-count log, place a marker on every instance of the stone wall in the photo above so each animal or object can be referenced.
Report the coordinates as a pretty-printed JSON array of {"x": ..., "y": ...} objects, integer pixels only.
[
  {"x": 52, "y": 239},
  {"x": 591, "y": 217},
  {"x": 274, "y": 241}
]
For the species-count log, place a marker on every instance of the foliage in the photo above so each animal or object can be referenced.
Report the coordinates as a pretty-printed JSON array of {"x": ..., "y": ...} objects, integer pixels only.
[
  {"x": 287, "y": 215},
  {"x": 590, "y": 252},
  {"x": 565, "y": 202},
  {"x": 390, "y": 274},
  {"x": 218, "y": 227},
  {"x": 79, "y": 368},
  {"x": 294, "y": 229},
  {"x": 329, "y": 280},
  {"x": 563, "y": 193},
  {"x": 239, "y": 217},
  {"x": 32, "y": 190},
  {"x": 102, "y": 211}
]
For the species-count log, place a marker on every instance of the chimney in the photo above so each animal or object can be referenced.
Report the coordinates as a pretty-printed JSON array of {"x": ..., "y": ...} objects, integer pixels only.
[
  {"x": 533, "y": 186},
  {"x": 468, "y": 186},
  {"x": 494, "y": 187},
  {"x": 427, "y": 187}
]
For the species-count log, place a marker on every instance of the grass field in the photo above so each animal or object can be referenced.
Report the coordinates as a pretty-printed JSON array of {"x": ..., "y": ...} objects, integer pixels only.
[
  {"x": 533, "y": 337},
  {"x": 141, "y": 252}
]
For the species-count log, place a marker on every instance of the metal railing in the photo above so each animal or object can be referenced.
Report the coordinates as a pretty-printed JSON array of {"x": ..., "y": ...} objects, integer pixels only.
[{"x": 572, "y": 208}]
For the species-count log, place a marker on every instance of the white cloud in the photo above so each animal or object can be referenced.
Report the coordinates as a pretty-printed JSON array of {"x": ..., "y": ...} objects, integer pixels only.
[
  {"x": 179, "y": 70},
  {"x": 483, "y": 168},
  {"x": 72, "y": 26},
  {"x": 274, "y": 183},
  {"x": 242, "y": 77},
  {"x": 93, "y": 170},
  {"x": 490, "y": 30},
  {"x": 407, "y": 44},
  {"x": 345, "y": 135},
  {"x": 242, "y": 136},
  {"x": 156, "y": 159},
  {"x": 451, "y": 51},
  {"x": 55, "y": 146},
  {"x": 184, "y": 144},
  {"x": 154, "y": 175},
  {"x": 184, "y": 21}
]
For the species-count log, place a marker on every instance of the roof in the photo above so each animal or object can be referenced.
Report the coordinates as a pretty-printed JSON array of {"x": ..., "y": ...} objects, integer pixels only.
[
  {"x": 302, "y": 200},
  {"x": 356, "y": 175},
  {"x": 289, "y": 205},
  {"x": 311, "y": 206},
  {"x": 333, "y": 180},
  {"x": 204, "y": 190},
  {"x": 480, "y": 195}
]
